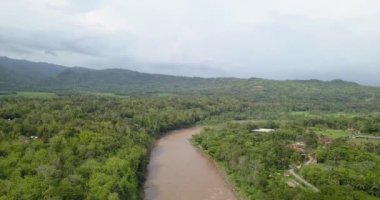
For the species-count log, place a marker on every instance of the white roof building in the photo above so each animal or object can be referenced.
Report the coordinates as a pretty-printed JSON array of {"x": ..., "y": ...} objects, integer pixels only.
[{"x": 263, "y": 130}]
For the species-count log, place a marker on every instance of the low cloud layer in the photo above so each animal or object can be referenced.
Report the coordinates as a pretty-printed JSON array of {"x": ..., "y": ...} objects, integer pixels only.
[{"x": 276, "y": 39}]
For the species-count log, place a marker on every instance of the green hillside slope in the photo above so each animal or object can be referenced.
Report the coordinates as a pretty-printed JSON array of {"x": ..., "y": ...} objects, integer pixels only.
[{"x": 23, "y": 75}]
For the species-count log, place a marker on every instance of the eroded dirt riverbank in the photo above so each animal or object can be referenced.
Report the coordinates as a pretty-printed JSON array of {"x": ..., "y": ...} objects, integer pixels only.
[{"x": 178, "y": 171}]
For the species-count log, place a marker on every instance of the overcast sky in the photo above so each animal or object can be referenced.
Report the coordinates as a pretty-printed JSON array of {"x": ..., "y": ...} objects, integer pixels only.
[{"x": 277, "y": 39}]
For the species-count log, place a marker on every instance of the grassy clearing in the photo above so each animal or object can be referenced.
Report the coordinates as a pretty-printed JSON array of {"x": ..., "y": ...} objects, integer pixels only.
[
  {"x": 36, "y": 94},
  {"x": 333, "y": 133},
  {"x": 165, "y": 94},
  {"x": 103, "y": 94}
]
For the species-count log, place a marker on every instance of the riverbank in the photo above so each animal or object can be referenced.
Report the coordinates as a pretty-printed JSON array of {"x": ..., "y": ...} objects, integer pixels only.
[{"x": 223, "y": 172}]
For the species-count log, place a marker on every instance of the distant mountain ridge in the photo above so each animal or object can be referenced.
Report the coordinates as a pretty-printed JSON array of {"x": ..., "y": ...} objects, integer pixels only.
[
  {"x": 21, "y": 74},
  {"x": 18, "y": 75}
]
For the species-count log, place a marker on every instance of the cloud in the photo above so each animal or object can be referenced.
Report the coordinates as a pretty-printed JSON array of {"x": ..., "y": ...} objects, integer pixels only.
[
  {"x": 273, "y": 39},
  {"x": 49, "y": 52},
  {"x": 56, "y": 4}
]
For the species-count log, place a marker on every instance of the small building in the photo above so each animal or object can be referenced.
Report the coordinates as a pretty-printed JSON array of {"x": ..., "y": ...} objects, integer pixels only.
[
  {"x": 324, "y": 140},
  {"x": 298, "y": 145},
  {"x": 263, "y": 130}
]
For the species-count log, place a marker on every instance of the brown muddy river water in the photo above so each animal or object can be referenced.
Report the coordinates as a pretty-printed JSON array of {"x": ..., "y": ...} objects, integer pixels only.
[{"x": 178, "y": 171}]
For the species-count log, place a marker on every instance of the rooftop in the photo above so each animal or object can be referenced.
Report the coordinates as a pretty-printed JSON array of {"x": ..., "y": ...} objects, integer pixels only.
[{"x": 264, "y": 130}]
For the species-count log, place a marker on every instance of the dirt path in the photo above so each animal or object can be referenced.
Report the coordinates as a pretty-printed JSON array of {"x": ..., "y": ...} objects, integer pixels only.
[
  {"x": 291, "y": 172},
  {"x": 177, "y": 171}
]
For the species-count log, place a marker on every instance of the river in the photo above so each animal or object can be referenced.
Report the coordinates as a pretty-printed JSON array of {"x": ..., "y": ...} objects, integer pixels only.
[{"x": 178, "y": 171}]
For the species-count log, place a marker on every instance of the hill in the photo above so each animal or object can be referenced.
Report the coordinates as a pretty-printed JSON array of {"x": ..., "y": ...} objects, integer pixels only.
[
  {"x": 124, "y": 81},
  {"x": 17, "y": 75},
  {"x": 22, "y": 74}
]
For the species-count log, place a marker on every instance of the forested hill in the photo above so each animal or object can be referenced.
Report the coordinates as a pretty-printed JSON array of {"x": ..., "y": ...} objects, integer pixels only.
[
  {"x": 18, "y": 75},
  {"x": 124, "y": 81}
]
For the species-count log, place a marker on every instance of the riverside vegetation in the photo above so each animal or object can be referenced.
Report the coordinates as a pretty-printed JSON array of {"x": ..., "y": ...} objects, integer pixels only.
[
  {"x": 86, "y": 134},
  {"x": 96, "y": 147},
  {"x": 258, "y": 163},
  {"x": 86, "y": 147}
]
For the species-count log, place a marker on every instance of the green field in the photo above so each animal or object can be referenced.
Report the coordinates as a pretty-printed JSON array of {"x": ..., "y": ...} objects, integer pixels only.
[
  {"x": 36, "y": 94},
  {"x": 333, "y": 133},
  {"x": 103, "y": 94}
]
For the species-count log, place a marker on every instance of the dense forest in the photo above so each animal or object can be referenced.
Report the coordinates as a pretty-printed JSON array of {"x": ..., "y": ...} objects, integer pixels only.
[
  {"x": 96, "y": 147},
  {"x": 87, "y": 147},
  {"x": 77, "y": 133}
]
